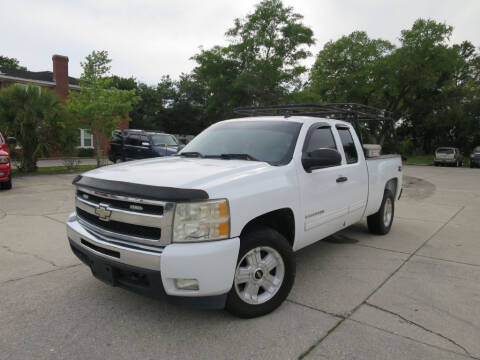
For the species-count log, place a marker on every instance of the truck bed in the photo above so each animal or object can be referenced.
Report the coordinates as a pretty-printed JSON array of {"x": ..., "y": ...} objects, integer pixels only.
[{"x": 379, "y": 173}]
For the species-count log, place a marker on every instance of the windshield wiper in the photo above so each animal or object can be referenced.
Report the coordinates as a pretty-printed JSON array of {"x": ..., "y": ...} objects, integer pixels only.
[
  {"x": 191, "y": 154},
  {"x": 235, "y": 156}
]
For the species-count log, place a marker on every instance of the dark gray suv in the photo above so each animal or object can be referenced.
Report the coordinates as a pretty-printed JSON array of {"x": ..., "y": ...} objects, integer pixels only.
[{"x": 138, "y": 144}]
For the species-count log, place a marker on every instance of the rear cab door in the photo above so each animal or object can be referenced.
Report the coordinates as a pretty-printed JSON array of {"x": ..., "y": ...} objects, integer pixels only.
[
  {"x": 131, "y": 147},
  {"x": 146, "y": 148},
  {"x": 354, "y": 169}
]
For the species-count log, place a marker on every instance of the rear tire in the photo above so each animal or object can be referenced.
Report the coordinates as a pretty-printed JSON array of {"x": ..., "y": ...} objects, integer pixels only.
[
  {"x": 380, "y": 223},
  {"x": 264, "y": 274}
]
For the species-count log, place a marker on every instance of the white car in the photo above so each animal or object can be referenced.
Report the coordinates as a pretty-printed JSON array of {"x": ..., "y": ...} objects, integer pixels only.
[{"x": 217, "y": 226}]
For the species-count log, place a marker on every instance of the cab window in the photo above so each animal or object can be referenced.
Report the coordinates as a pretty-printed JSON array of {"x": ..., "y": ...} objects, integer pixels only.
[
  {"x": 321, "y": 137},
  {"x": 349, "y": 148}
]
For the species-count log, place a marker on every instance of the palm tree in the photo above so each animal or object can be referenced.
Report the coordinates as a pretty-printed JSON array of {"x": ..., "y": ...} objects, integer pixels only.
[{"x": 37, "y": 118}]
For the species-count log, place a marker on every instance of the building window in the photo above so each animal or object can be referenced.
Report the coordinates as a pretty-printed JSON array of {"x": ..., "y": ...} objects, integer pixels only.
[
  {"x": 39, "y": 88},
  {"x": 86, "y": 139}
]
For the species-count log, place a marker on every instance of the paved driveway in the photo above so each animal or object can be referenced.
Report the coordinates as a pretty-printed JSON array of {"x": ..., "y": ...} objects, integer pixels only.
[{"x": 413, "y": 294}]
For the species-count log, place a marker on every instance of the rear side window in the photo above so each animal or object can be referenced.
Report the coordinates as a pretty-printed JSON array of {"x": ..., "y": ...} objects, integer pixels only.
[
  {"x": 144, "y": 139},
  {"x": 133, "y": 140},
  {"x": 348, "y": 145},
  {"x": 445, "y": 151},
  {"x": 321, "y": 138}
]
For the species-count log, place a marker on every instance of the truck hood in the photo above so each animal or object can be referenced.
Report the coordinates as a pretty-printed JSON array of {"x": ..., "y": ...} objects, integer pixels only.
[{"x": 180, "y": 172}]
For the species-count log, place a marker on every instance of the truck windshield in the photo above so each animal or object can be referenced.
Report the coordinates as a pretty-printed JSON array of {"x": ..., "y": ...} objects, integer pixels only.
[
  {"x": 159, "y": 140},
  {"x": 269, "y": 141}
]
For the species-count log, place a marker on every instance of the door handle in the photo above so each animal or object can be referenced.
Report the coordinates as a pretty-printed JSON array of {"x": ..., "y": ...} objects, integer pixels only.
[{"x": 341, "y": 179}]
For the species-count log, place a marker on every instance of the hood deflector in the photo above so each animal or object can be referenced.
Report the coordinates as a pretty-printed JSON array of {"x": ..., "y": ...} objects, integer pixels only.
[{"x": 139, "y": 190}]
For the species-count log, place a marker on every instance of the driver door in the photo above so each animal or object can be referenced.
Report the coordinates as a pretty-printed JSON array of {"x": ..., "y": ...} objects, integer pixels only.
[{"x": 324, "y": 203}]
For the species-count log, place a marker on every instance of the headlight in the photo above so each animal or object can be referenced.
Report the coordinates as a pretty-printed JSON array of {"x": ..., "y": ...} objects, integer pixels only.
[
  {"x": 201, "y": 221},
  {"x": 4, "y": 160}
]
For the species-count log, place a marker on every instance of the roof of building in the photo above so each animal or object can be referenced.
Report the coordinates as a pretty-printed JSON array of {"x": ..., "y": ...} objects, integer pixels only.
[{"x": 46, "y": 76}]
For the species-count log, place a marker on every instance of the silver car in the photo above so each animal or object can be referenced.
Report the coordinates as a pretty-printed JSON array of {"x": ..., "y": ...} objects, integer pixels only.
[{"x": 448, "y": 156}]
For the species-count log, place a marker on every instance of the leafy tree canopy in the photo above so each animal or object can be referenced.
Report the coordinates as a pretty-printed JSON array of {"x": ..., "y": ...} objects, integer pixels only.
[
  {"x": 10, "y": 63},
  {"x": 98, "y": 105},
  {"x": 262, "y": 64}
]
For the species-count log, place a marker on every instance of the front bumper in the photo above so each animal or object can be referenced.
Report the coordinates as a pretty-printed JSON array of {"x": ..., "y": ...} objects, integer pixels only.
[
  {"x": 445, "y": 161},
  {"x": 475, "y": 160},
  {"x": 4, "y": 172},
  {"x": 152, "y": 273}
]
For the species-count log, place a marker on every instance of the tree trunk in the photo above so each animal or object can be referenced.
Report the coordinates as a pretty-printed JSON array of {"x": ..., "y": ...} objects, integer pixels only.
[{"x": 98, "y": 151}]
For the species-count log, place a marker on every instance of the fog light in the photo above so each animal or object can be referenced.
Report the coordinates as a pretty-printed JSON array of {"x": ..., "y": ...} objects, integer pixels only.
[
  {"x": 186, "y": 284},
  {"x": 2, "y": 174}
]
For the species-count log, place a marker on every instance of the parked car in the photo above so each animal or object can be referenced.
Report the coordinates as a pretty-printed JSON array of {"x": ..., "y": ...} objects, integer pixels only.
[
  {"x": 448, "y": 156},
  {"x": 475, "y": 157},
  {"x": 137, "y": 144},
  {"x": 5, "y": 164},
  {"x": 217, "y": 225}
]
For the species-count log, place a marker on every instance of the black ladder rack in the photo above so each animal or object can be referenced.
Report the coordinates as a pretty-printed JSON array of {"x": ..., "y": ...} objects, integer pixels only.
[{"x": 351, "y": 112}]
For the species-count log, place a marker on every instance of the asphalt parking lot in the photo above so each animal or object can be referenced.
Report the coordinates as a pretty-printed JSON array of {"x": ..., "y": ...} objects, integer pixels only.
[{"x": 413, "y": 294}]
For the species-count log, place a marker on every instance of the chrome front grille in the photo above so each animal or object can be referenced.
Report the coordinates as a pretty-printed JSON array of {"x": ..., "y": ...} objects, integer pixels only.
[{"x": 124, "y": 218}]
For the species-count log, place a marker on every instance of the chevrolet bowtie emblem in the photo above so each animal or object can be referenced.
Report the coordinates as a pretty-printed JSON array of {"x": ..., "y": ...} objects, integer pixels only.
[{"x": 103, "y": 212}]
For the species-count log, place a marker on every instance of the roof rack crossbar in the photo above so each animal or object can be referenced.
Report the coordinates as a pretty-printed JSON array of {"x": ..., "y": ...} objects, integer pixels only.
[{"x": 340, "y": 111}]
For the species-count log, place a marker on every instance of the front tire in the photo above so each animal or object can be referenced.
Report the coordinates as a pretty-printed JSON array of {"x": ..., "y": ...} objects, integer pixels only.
[
  {"x": 264, "y": 274},
  {"x": 7, "y": 185},
  {"x": 380, "y": 223}
]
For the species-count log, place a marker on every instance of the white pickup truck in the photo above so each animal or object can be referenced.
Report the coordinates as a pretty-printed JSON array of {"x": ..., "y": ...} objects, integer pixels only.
[{"x": 217, "y": 225}]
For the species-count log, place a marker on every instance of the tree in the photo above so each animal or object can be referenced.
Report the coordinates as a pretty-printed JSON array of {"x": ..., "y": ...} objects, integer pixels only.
[
  {"x": 171, "y": 106},
  {"x": 431, "y": 87},
  {"x": 426, "y": 85},
  {"x": 10, "y": 63},
  {"x": 350, "y": 70},
  {"x": 123, "y": 83},
  {"x": 260, "y": 66},
  {"x": 269, "y": 45},
  {"x": 346, "y": 69},
  {"x": 98, "y": 105},
  {"x": 38, "y": 120}
]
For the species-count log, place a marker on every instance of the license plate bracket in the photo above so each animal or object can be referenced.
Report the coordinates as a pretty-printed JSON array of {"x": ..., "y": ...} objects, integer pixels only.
[{"x": 103, "y": 272}]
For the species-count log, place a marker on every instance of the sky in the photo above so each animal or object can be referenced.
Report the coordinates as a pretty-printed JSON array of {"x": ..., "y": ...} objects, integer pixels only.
[{"x": 147, "y": 39}]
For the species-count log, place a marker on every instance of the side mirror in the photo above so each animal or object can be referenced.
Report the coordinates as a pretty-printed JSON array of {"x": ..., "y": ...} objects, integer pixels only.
[
  {"x": 11, "y": 140},
  {"x": 321, "y": 158}
]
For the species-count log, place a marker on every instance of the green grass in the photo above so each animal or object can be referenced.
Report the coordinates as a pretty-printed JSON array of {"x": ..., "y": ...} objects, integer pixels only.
[
  {"x": 428, "y": 160},
  {"x": 420, "y": 159},
  {"x": 52, "y": 170}
]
